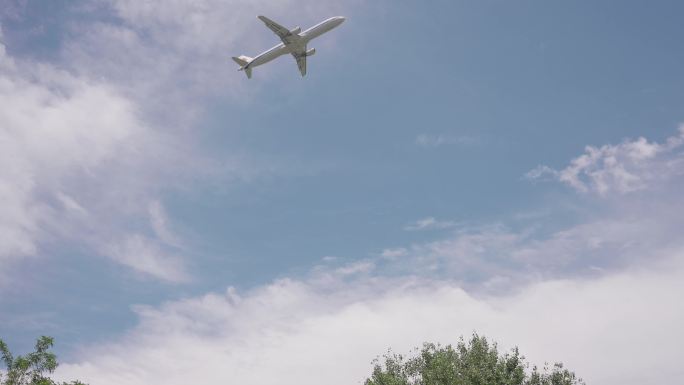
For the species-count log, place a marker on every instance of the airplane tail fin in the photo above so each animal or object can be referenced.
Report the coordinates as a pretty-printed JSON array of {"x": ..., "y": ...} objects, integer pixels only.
[{"x": 243, "y": 61}]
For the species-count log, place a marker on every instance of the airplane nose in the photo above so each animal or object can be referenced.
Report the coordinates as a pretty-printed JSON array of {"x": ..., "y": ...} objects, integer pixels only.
[{"x": 341, "y": 19}]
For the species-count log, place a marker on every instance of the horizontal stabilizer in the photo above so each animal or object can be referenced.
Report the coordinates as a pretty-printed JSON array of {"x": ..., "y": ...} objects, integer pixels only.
[{"x": 243, "y": 61}]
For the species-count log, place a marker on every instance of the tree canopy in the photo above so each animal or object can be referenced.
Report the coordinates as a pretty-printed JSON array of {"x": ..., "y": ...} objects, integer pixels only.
[
  {"x": 33, "y": 368},
  {"x": 476, "y": 362}
]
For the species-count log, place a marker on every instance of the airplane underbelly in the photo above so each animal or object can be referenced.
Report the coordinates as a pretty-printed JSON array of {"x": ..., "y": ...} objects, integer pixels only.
[
  {"x": 295, "y": 47},
  {"x": 269, "y": 55}
]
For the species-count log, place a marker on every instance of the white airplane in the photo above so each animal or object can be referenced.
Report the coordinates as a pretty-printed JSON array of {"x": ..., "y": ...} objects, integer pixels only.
[{"x": 293, "y": 42}]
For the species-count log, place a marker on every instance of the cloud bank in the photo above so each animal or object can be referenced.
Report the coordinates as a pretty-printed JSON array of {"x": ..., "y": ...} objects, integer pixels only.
[{"x": 618, "y": 329}]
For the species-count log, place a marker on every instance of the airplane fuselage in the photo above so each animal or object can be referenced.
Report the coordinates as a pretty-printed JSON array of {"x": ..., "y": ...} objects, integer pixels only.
[{"x": 296, "y": 45}]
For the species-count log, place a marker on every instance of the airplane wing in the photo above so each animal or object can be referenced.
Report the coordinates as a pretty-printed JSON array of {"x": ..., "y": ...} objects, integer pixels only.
[
  {"x": 301, "y": 62},
  {"x": 287, "y": 37},
  {"x": 283, "y": 33}
]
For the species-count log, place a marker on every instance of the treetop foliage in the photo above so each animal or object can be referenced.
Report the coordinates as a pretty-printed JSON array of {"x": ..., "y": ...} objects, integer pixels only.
[
  {"x": 33, "y": 368},
  {"x": 476, "y": 362}
]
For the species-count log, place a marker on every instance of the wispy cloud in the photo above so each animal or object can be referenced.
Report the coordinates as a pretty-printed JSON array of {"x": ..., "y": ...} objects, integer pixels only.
[
  {"x": 360, "y": 267},
  {"x": 622, "y": 168},
  {"x": 12, "y": 9},
  {"x": 78, "y": 163},
  {"x": 429, "y": 223},
  {"x": 160, "y": 224},
  {"x": 394, "y": 253},
  {"x": 147, "y": 256}
]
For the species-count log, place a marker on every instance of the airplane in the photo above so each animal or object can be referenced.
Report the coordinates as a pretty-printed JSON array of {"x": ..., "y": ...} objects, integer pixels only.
[{"x": 293, "y": 42}]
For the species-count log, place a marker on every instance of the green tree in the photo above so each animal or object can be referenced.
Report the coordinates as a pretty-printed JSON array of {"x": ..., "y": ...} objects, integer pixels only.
[
  {"x": 33, "y": 368},
  {"x": 476, "y": 362}
]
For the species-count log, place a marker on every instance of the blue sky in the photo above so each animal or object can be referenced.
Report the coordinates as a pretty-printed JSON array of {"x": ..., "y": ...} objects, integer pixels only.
[{"x": 434, "y": 151}]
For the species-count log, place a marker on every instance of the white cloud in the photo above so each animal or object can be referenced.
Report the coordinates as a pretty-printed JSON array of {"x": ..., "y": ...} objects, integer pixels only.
[
  {"x": 12, "y": 9},
  {"x": 160, "y": 224},
  {"x": 429, "y": 223},
  {"x": 361, "y": 267},
  {"x": 147, "y": 256},
  {"x": 394, "y": 253},
  {"x": 618, "y": 329},
  {"x": 623, "y": 168},
  {"x": 47, "y": 134},
  {"x": 78, "y": 164},
  {"x": 497, "y": 258}
]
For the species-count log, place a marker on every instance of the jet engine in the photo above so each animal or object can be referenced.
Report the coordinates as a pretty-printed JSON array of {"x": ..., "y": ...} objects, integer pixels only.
[
  {"x": 310, "y": 51},
  {"x": 296, "y": 31}
]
